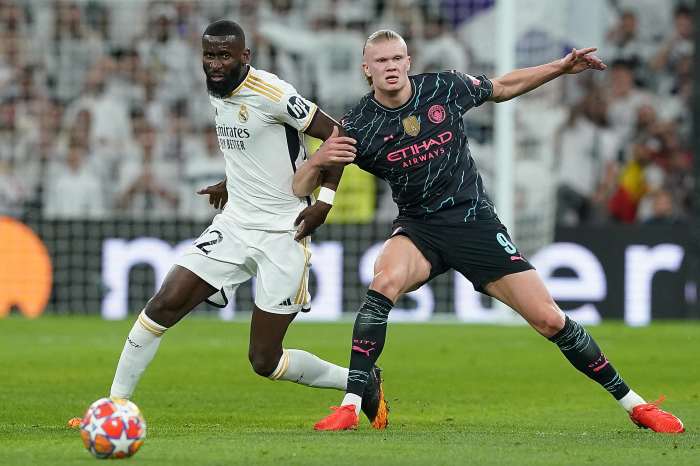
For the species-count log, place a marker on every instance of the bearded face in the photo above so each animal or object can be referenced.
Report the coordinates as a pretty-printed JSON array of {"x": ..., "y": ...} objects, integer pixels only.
[{"x": 224, "y": 61}]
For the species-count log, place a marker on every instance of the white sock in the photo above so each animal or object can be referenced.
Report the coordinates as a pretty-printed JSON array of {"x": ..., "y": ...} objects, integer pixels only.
[
  {"x": 139, "y": 349},
  {"x": 307, "y": 369},
  {"x": 352, "y": 399},
  {"x": 631, "y": 400}
]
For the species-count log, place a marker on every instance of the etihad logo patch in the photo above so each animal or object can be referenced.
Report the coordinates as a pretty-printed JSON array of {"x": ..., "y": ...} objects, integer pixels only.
[
  {"x": 411, "y": 125},
  {"x": 25, "y": 269},
  {"x": 421, "y": 151}
]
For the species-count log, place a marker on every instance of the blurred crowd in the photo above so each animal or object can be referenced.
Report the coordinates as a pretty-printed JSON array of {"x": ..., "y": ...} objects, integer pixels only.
[
  {"x": 104, "y": 111},
  {"x": 624, "y": 151}
]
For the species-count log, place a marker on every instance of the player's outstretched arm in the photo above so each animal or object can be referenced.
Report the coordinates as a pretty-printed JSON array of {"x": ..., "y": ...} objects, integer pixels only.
[{"x": 524, "y": 80}]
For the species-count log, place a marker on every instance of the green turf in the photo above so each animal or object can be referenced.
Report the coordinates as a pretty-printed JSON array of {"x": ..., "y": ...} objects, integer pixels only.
[{"x": 459, "y": 395}]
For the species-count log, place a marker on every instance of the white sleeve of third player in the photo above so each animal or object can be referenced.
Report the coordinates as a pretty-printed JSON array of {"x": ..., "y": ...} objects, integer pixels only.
[{"x": 293, "y": 109}]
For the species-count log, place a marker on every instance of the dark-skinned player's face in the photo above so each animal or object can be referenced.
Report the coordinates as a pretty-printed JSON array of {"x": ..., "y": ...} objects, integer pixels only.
[{"x": 223, "y": 59}]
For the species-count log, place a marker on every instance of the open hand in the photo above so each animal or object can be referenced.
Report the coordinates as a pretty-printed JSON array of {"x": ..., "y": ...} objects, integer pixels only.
[
  {"x": 581, "y": 60},
  {"x": 336, "y": 150},
  {"x": 218, "y": 195},
  {"x": 311, "y": 218}
]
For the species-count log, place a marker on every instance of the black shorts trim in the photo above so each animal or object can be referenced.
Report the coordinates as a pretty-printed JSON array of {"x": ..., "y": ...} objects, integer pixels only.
[
  {"x": 485, "y": 279},
  {"x": 481, "y": 251}
]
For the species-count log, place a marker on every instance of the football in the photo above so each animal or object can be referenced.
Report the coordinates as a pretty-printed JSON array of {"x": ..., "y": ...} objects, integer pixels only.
[{"x": 113, "y": 428}]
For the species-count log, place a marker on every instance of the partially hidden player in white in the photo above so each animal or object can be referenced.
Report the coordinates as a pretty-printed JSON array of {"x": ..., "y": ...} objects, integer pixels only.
[{"x": 259, "y": 121}]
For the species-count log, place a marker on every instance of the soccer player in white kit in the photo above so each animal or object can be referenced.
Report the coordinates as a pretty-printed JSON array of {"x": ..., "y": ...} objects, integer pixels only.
[{"x": 259, "y": 122}]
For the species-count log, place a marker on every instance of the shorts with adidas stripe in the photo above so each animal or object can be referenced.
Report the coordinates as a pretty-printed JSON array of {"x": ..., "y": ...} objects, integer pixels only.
[{"x": 227, "y": 254}]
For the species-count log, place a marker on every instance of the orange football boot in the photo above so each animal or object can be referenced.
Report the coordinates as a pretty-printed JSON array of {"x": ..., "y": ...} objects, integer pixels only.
[
  {"x": 374, "y": 405},
  {"x": 74, "y": 422},
  {"x": 649, "y": 416},
  {"x": 342, "y": 418}
]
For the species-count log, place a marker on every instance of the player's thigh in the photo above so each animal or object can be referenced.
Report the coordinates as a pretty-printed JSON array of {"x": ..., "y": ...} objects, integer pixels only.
[
  {"x": 399, "y": 268},
  {"x": 282, "y": 266},
  {"x": 281, "y": 290},
  {"x": 526, "y": 293},
  {"x": 181, "y": 291},
  {"x": 267, "y": 331},
  {"x": 217, "y": 259}
]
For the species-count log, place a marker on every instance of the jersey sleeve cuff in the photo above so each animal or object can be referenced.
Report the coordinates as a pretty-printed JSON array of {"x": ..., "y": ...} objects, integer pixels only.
[
  {"x": 312, "y": 113},
  {"x": 486, "y": 83}
]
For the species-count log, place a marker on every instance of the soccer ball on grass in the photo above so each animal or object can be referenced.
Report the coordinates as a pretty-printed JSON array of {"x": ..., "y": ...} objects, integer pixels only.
[{"x": 113, "y": 428}]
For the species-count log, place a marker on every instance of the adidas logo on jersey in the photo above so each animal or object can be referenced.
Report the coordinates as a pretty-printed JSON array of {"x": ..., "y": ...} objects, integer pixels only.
[{"x": 286, "y": 302}]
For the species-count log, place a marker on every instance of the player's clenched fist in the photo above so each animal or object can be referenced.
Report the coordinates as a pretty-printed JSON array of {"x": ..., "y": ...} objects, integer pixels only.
[{"x": 336, "y": 150}]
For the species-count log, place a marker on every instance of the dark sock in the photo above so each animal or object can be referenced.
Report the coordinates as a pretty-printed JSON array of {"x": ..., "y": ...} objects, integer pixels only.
[
  {"x": 584, "y": 354},
  {"x": 368, "y": 336}
]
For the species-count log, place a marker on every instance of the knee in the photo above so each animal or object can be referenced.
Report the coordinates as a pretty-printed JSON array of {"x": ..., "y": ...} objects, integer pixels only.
[
  {"x": 551, "y": 321},
  {"x": 262, "y": 363},
  {"x": 390, "y": 283},
  {"x": 163, "y": 309}
]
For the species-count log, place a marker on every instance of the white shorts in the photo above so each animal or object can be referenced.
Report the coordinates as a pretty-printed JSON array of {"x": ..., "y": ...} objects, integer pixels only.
[{"x": 226, "y": 255}]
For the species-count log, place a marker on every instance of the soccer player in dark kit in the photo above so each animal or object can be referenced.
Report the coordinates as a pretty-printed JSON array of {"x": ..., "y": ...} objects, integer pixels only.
[{"x": 409, "y": 131}]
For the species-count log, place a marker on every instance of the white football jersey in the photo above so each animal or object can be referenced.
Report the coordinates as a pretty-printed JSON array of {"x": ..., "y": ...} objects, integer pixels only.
[{"x": 259, "y": 126}]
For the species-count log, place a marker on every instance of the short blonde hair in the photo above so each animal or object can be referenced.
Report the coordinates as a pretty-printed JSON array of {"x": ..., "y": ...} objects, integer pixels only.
[{"x": 380, "y": 36}]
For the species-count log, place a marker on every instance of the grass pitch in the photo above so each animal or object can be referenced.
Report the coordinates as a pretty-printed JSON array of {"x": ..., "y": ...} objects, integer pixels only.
[{"x": 459, "y": 395}]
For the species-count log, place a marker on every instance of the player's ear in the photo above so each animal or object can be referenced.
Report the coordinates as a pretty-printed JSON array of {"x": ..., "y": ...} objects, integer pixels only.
[
  {"x": 245, "y": 57},
  {"x": 365, "y": 70},
  {"x": 409, "y": 63}
]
